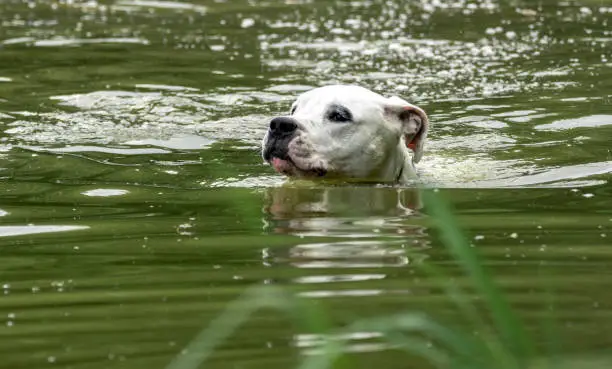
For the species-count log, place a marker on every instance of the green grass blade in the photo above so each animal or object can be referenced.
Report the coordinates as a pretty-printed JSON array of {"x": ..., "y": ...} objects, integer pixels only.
[
  {"x": 202, "y": 345},
  {"x": 511, "y": 329},
  {"x": 331, "y": 350},
  {"x": 417, "y": 346},
  {"x": 457, "y": 295},
  {"x": 411, "y": 322},
  {"x": 307, "y": 315}
]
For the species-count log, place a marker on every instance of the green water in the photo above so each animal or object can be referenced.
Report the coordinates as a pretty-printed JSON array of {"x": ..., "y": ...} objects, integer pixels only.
[{"x": 134, "y": 203}]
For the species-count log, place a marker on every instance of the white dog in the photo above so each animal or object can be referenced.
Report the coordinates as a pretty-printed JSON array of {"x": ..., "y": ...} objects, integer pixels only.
[{"x": 347, "y": 132}]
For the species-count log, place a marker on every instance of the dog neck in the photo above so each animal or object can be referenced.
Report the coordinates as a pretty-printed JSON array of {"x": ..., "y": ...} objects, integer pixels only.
[
  {"x": 397, "y": 168},
  {"x": 406, "y": 172}
]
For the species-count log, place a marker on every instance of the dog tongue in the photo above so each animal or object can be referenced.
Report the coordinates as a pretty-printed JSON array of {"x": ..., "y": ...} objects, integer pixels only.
[{"x": 281, "y": 165}]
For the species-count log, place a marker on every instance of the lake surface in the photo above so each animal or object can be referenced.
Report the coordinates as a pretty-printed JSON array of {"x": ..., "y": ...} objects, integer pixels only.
[{"x": 134, "y": 204}]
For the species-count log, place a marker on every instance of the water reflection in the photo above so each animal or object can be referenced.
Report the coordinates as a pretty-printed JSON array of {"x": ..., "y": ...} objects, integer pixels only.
[
  {"x": 310, "y": 344},
  {"x": 298, "y": 203},
  {"x": 21, "y": 230},
  {"x": 351, "y": 243},
  {"x": 105, "y": 192},
  {"x": 361, "y": 228}
]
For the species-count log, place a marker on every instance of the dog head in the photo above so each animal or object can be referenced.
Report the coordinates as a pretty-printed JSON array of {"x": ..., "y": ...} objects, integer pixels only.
[{"x": 345, "y": 132}]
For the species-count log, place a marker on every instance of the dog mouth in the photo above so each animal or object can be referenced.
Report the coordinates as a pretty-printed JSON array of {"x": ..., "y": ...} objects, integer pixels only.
[
  {"x": 293, "y": 155},
  {"x": 296, "y": 164},
  {"x": 281, "y": 165},
  {"x": 289, "y": 168}
]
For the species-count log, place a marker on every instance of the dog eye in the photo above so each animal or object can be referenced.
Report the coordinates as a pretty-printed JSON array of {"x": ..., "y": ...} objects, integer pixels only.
[
  {"x": 339, "y": 114},
  {"x": 293, "y": 109},
  {"x": 337, "y": 117}
]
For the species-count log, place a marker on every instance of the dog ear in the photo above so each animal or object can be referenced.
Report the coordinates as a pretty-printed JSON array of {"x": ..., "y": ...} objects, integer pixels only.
[{"x": 415, "y": 124}]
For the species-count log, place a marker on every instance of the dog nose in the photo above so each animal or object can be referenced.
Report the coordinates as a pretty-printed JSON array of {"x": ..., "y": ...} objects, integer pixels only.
[{"x": 282, "y": 126}]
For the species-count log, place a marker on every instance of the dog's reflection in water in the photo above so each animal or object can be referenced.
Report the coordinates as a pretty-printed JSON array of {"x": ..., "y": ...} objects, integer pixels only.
[
  {"x": 348, "y": 242},
  {"x": 344, "y": 227}
]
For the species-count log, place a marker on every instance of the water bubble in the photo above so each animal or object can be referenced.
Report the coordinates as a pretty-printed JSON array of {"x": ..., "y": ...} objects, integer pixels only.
[
  {"x": 247, "y": 23},
  {"x": 487, "y": 51},
  {"x": 514, "y": 235},
  {"x": 182, "y": 229}
]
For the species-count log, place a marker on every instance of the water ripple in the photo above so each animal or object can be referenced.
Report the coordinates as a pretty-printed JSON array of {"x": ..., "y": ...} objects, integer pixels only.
[{"x": 15, "y": 230}]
